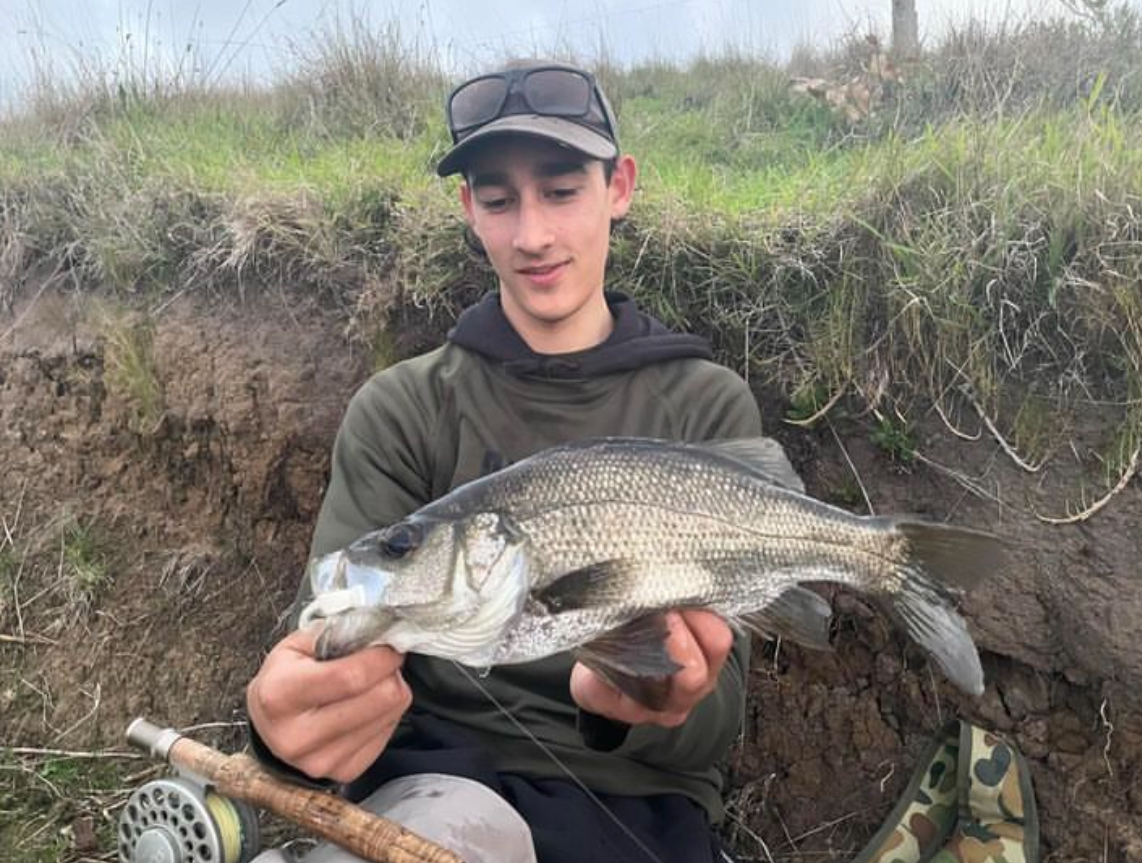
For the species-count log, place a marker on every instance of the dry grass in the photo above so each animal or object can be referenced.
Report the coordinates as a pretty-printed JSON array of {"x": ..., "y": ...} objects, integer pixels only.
[
  {"x": 129, "y": 370},
  {"x": 356, "y": 79}
]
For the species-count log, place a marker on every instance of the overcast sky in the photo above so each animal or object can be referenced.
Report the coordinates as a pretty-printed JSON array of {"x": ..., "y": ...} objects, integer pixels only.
[{"x": 253, "y": 38}]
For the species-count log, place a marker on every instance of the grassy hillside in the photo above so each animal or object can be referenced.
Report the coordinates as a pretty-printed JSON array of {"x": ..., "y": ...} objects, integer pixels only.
[{"x": 970, "y": 244}]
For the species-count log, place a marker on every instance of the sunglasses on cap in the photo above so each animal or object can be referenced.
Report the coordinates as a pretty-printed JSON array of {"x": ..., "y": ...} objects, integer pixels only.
[{"x": 549, "y": 91}]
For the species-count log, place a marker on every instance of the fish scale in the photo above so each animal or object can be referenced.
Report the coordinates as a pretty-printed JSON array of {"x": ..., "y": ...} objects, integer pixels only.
[{"x": 580, "y": 541}]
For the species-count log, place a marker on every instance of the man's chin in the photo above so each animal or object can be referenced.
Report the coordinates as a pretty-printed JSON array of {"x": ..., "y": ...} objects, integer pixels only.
[{"x": 546, "y": 305}]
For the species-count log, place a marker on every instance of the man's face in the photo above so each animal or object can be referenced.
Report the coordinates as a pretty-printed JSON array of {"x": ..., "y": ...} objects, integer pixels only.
[{"x": 543, "y": 214}]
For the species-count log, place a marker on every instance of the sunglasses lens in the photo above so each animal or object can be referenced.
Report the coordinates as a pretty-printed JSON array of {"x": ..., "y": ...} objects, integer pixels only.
[
  {"x": 557, "y": 92},
  {"x": 477, "y": 102}
]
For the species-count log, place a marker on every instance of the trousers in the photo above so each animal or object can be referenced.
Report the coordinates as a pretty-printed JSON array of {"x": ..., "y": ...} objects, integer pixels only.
[
  {"x": 567, "y": 824},
  {"x": 458, "y": 814}
]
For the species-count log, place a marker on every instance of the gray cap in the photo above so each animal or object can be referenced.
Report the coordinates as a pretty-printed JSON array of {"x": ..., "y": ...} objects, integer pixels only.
[{"x": 594, "y": 134}]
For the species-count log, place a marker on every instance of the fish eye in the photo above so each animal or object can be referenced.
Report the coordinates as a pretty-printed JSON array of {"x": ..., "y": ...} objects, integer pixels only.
[{"x": 400, "y": 539}]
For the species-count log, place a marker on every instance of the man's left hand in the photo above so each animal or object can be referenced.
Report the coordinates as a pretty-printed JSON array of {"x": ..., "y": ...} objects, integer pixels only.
[{"x": 699, "y": 641}]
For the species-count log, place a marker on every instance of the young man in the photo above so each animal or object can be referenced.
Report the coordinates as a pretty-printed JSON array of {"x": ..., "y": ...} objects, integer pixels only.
[{"x": 548, "y": 358}]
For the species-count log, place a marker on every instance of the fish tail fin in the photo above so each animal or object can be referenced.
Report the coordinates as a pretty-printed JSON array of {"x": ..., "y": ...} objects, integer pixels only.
[{"x": 943, "y": 561}]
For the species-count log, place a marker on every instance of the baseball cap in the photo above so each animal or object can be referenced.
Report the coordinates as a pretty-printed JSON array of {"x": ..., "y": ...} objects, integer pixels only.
[{"x": 553, "y": 101}]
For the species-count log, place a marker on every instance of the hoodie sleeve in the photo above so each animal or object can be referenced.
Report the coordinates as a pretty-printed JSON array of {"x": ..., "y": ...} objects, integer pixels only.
[{"x": 719, "y": 405}]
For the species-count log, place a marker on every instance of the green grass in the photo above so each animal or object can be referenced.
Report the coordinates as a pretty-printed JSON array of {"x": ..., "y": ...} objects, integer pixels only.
[
  {"x": 895, "y": 440},
  {"x": 42, "y": 798},
  {"x": 85, "y": 568},
  {"x": 9, "y": 567}
]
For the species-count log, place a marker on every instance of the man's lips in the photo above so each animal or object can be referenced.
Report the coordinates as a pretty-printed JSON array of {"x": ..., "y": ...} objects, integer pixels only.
[{"x": 543, "y": 274}]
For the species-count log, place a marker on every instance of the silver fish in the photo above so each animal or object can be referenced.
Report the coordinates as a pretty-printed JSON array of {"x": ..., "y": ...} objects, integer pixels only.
[{"x": 583, "y": 547}]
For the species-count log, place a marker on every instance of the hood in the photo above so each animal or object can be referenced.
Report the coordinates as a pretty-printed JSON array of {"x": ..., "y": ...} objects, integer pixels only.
[{"x": 638, "y": 340}]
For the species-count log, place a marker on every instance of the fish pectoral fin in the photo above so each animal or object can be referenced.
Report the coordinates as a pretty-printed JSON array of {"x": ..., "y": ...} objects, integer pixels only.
[
  {"x": 633, "y": 658},
  {"x": 798, "y": 614},
  {"x": 651, "y": 692},
  {"x": 608, "y": 581},
  {"x": 762, "y": 454}
]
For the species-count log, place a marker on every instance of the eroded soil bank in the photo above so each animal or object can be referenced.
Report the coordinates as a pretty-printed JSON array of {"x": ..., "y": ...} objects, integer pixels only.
[{"x": 199, "y": 520}]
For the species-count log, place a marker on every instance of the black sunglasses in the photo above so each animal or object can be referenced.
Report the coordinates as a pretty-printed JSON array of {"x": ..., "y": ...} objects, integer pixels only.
[{"x": 550, "y": 91}]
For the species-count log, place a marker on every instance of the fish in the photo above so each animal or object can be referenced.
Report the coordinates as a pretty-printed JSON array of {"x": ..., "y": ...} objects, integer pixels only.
[{"x": 585, "y": 546}]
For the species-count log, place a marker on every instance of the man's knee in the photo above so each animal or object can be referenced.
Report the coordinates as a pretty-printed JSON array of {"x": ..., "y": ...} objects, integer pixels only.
[{"x": 459, "y": 814}]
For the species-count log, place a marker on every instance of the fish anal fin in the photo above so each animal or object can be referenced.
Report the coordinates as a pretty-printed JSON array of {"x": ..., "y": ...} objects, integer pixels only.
[
  {"x": 633, "y": 658},
  {"x": 798, "y": 614}
]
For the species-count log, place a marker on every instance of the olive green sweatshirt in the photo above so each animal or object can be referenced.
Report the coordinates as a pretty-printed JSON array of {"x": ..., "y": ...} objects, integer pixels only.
[{"x": 422, "y": 427}]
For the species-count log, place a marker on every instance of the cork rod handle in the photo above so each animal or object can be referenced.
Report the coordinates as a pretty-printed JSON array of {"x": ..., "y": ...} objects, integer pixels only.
[{"x": 326, "y": 815}]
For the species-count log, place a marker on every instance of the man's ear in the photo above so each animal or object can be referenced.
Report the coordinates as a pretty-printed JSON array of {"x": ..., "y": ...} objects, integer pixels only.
[
  {"x": 622, "y": 185},
  {"x": 466, "y": 200}
]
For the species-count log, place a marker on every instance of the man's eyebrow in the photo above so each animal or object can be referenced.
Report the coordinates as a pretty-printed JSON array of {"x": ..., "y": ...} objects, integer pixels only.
[
  {"x": 546, "y": 170},
  {"x": 488, "y": 178}
]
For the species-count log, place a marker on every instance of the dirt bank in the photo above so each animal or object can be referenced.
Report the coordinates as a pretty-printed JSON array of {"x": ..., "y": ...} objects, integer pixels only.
[{"x": 195, "y": 521}]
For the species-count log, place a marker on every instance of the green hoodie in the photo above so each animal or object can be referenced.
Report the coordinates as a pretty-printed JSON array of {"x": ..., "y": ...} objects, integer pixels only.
[{"x": 424, "y": 426}]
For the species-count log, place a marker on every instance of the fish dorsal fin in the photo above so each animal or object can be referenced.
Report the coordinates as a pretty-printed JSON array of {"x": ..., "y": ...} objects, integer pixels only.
[
  {"x": 763, "y": 454},
  {"x": 798, "y": 614},
  {"x": 633, "y": 658}
]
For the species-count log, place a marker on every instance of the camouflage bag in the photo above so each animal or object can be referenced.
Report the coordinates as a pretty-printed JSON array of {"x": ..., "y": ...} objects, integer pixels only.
[{"x": 969, "y": 801}]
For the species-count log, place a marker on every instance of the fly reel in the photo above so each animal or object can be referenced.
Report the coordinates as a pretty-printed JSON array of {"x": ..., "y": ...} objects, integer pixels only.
[{"x": 179, "y": 820}]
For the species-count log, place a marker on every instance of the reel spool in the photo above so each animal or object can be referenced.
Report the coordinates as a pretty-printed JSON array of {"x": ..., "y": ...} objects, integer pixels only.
[{"x": 177, "y": 820}]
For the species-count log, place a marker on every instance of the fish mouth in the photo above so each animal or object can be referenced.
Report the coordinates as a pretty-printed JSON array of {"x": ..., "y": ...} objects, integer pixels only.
[{"x": 326, "y": 573}]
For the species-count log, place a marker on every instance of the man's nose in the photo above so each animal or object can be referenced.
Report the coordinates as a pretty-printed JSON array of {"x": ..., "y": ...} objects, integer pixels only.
[{"x": 533, "y": 231}]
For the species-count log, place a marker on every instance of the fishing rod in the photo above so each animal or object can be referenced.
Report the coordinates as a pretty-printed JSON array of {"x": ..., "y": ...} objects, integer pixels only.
[{"x": 206, "y": 814}]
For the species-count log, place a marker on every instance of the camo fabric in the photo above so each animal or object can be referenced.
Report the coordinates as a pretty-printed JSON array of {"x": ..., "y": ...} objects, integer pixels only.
[
  {"x": 995, "y": 827},
  {"x": 970, "y": 801},
  {"x": 924, "y": 819}
]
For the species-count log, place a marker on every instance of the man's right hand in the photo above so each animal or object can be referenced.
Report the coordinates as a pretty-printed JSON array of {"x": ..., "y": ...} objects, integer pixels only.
[{"x": 329, "y": 719}]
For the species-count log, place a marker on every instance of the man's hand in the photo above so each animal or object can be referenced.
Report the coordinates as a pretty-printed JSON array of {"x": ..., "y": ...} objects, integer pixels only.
[
  {"x": 699, "y": 641},
  {"x": 328, "y": 719}
]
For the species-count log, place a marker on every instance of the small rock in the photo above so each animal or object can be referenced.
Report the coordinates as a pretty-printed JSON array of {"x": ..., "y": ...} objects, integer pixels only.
[
  {"x": 1032, "y": 738},
  {"x": 1025, "y": 694},
  {"x": 888, "y": 668},
  {"x": 1035, "y": 729}
]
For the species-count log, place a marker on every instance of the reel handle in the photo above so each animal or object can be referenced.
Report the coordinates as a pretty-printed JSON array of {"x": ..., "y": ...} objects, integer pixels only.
[{"x": 324, "y": 814}]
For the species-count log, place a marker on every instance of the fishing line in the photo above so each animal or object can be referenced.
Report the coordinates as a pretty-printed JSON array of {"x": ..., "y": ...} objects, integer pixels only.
[{"x": 555, "y": 758}]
